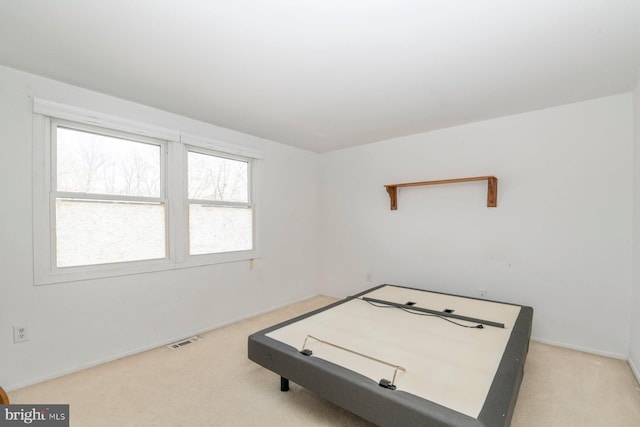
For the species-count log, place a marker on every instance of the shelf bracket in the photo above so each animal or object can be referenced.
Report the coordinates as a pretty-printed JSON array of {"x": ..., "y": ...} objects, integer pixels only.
[
  {"x": 492, "y": 192},
  {"x": 393, "y": 195},
  {"x": 492, "y": 188}
]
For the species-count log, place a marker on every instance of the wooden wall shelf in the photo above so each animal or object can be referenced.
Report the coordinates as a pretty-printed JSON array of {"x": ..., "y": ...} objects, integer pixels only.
[{"x": 492, "y": 188}]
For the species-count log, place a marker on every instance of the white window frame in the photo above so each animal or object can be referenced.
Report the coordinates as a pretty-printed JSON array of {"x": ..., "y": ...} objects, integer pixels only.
[
  {"x": 249, "y": 204},
  {"x": 162, "y": 199},
  {"x": 175, "y": 146}
]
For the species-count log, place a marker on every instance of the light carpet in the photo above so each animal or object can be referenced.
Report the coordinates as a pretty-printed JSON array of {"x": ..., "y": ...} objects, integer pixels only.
[{"x": 212, "y": 383}]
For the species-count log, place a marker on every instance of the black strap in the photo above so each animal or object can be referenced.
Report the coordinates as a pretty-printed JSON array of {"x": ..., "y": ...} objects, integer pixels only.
[{"x": 437, "y": 313}]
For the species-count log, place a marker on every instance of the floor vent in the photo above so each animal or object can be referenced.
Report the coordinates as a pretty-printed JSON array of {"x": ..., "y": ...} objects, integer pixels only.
[{"x": 182, "y": 343}]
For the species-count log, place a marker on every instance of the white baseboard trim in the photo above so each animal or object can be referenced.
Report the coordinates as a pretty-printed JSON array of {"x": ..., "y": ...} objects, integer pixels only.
[
  {"x": 583, "y": 349},
  {"x": 36, "y": 380}
]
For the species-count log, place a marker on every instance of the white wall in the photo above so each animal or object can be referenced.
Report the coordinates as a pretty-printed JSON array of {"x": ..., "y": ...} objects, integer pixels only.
[
  {"x": 77, "y": 324},
  {"x": 634, "y": 352},
  {"x": 559, "y": 240}
]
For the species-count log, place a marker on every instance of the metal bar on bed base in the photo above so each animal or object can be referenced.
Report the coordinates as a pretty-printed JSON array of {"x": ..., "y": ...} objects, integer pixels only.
[
  {"x": 395, "y": 367},
  {"x": 434, "y": 312}
]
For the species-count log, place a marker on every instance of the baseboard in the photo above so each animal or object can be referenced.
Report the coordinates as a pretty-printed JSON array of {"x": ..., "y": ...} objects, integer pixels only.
[
  {"x": 582, "y": 349},
  {"x": 111, "y": 358}
]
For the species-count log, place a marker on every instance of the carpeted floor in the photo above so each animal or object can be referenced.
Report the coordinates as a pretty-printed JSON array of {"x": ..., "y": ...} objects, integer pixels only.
[{"x": 212, "y": 383}]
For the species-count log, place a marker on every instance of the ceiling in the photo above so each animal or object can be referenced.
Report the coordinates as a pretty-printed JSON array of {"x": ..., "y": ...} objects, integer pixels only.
[{"x": 328, "y": 74}]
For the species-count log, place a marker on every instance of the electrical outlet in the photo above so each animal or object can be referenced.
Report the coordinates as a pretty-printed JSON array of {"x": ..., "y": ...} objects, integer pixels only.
[
  {"x": 368, "y": 278},
  {"x": 20, "y": 333},
  {"x": 483, "y": 293}
]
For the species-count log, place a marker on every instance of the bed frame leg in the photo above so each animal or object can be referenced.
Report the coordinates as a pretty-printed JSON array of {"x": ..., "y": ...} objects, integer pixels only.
[{"x": 284, "y": 384}]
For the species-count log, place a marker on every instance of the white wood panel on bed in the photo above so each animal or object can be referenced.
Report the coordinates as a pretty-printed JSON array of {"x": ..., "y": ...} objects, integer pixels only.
[{"x": 445, "y": 363}]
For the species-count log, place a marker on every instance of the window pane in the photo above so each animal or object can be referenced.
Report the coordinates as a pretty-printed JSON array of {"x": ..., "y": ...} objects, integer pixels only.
[
  {"x": 219, "y": 229},
  {"x": 217, "y": 179},
  {"x": 101, "y": 232},
  {"x": 92, "y": 163}
]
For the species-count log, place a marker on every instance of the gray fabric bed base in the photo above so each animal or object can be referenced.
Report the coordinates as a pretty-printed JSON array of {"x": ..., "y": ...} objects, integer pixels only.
[{"x": 365, "y": 398}]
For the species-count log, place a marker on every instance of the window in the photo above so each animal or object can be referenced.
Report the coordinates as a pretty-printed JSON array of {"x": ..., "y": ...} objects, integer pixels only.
[
  {"x": 220, "y": 208},
  {"x": 108, "y": 199},
  {"x": 114, "y": 197}
]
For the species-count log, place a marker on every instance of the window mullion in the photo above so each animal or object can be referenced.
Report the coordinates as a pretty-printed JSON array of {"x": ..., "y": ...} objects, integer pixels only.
[{"x": 176, "y": 186}]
